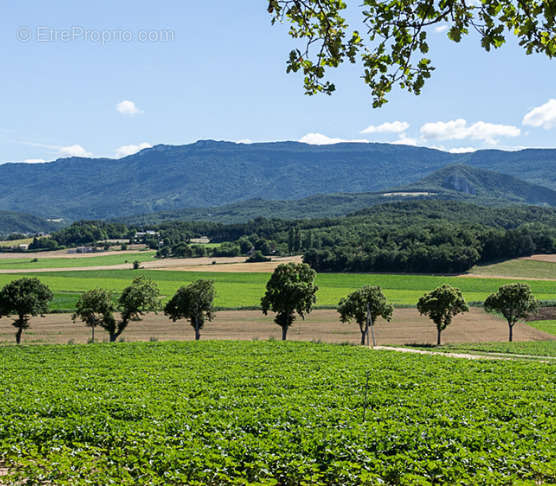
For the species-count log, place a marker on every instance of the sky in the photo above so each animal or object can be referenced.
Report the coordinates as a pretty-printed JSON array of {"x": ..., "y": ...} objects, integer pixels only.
[{"x": 105, "y": 79}]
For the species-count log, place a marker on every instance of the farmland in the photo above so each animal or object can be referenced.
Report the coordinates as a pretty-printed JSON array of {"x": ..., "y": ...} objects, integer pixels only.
[
  {"x": 244, "y": 290},
  {"x": 537, "y": 348},
  {"x": 518, "y": 268},
  {"x": 217, "y": 413}
]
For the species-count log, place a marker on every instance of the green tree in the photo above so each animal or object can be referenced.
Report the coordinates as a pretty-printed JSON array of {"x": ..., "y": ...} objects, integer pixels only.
[
  {"x": 194, "y": 302},
  {"x": 140, "y": 297},
  {"x": 365, "y": 306},
  {"x": 441, "y": 305},
  {"x": 514, "y": 301},
  {"x": 397, "y": 31},
  {"x": 290, "y": 290},
  {"x": 96, "y": 309},
  {"x": 25, "y": 298}
]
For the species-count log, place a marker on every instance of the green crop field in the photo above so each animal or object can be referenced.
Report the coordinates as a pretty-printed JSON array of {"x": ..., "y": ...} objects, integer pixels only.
[
  {"x": 270, "y": 413},
  {"x": 94, "y": 261},
  {"x": 241, "y": 290},
  {"x": 518, "y": 268},
  {"x": 546, "y": 326}
]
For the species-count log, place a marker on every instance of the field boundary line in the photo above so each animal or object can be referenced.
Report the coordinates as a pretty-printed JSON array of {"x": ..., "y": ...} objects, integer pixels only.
[{"x": 462, "y": 355}]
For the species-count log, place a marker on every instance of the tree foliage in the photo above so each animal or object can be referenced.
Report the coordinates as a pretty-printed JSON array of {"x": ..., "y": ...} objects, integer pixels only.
[
  {"x": 194, "y": 302},
  {"x": 25, "y": 298},
  {"x": 142, "y": 296},
  {"x": 514, "y": 301},
  {"x": 290, "y": 290},
  {"x": 96, "y": 308},
  {"x": 397, "y": 33},
  {"x": 368, "y": 300},
  {"x": 441, "y": 305}
]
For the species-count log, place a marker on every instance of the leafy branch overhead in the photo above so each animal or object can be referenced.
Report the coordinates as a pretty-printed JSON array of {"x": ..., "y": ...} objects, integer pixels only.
[{"x": 393, "y": 49}]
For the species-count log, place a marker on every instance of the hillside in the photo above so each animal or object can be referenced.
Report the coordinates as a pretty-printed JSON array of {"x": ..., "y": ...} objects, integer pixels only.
[
  {"x": 208, "y": 173},
  {"x": 452, "y": 183},
  {"x": 11, "y": 222},
  {"x": 485, "y": 185}
]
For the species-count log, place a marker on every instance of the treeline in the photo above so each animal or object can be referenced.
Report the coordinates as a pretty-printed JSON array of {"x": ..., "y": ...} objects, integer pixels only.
[
  {"x": 81, "y": 233},
  {"x": 416, "y": 236}
]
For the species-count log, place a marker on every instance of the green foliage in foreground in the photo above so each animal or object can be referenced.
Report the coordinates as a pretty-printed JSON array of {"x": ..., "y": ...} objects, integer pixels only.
[
  {"x": 546, "y": 326},
  {"x": 242, "y": 290},
  {"x": 533, "y": 348},
  {"x": 217, "y": 413}
]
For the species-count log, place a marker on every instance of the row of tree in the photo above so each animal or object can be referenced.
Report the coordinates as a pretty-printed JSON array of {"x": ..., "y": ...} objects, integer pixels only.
[{"x": 290, "y": 292}]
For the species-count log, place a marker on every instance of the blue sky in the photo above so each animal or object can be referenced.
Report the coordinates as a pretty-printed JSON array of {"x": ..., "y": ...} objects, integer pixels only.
[{"x": 198, "y": 70}]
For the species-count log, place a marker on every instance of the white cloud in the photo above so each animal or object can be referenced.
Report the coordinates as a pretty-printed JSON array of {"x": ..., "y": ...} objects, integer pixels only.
[
  {"x": 245, "y": 141},
  {"x": 320, "y": 139},
  {"x": 127, "y": 107},
  {"x": 34, "y": 161},
  {"x": 459, "y": 130},
  {"x": 388, "y": 127},
  {"x": 441, "y": 28},
  {"x": 542, "y": 116},
  {"x": 405, "y": 140},
  {"x": 74, "y": 151},
  {"x": 126, "y": 150}
]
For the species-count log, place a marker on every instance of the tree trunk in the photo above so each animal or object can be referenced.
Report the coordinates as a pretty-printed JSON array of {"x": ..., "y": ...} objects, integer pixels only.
[
  {"x": 438, "y": 337},
  {"x": 363, "y": 337},
  {"x": 18, "y": 335},
  {"x": 511, "y": 333},
  {"x": 197, "y": 332},
  {"x": 113, "y": 337},
  {"x": 93, "y": 334},
  {"x": 284, "y": 332}
]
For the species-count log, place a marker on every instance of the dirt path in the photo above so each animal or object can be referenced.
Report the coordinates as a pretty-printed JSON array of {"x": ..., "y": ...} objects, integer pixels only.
[
  {"x": 407, "y": 327},
  {"x": 440, "y": 353}
]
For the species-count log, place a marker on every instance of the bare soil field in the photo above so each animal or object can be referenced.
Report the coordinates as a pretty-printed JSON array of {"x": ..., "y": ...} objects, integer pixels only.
[
  {"x": 407, "y": 327},
  {"x": 238, "y": 265}
]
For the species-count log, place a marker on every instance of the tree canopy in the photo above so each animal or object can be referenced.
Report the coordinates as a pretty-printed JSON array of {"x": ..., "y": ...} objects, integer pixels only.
[
  {"x": 290, "y": 290},
  {"x": 26, "y": 298},
  {"x": 96, "y": 309},
  {"x": 514, "y": 301},
  {"x": 194, "y": 302},
  {"x": 393, "y": 50},
  {"x": 368, "y": 301},
  {"x": 441, "y": 305}
]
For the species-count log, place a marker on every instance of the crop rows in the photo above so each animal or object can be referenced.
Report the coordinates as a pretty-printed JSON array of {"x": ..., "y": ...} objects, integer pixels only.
[{"x": 216, "y": 413}]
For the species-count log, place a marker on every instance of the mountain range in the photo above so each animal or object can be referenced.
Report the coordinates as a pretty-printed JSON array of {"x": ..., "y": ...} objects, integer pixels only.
[{"x": 210, "y": 174}]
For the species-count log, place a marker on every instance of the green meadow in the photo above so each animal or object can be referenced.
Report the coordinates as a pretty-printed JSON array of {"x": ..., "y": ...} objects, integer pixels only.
[
  {"x": 243, "y": 290},
  {"x": 35, "y": 261},
  {"x": 517, "y": 268}
]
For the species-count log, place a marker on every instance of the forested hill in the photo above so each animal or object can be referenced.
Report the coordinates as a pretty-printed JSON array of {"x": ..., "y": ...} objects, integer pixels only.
[
  {"x": 11, "y": 222},
  {"x": 209, "y": 173},
  {"x": 484, "y": 186}
]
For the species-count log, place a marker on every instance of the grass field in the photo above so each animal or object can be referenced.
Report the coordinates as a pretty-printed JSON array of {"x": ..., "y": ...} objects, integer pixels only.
[
  {"x": 10, "y": 243},
  {"x": 242, "y": 290},
  {"x": 546, "y": 326},
  {"x": 269, "y": 413},
  {"x": 519, "y": 268},
  {"x": 93, "y": 261}
]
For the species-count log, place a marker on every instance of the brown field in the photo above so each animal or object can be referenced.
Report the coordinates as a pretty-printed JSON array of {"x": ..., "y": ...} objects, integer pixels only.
[{"x": 407, "y": 327}]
